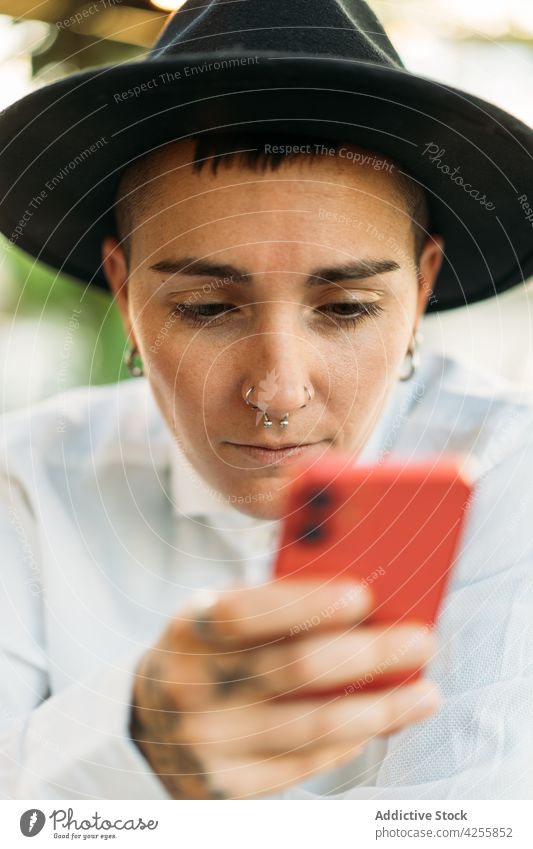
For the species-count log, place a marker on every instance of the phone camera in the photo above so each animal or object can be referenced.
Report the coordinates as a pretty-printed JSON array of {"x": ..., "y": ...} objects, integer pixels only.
[
  {"x": 322, "y": 498},
  {"x": 313, "y": 533}
]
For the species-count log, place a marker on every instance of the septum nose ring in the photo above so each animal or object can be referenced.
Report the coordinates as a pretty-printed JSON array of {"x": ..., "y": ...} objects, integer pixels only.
[{"x": 267, "y": 421}]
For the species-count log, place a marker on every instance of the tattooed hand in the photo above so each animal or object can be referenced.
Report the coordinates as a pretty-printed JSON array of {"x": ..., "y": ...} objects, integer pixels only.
[{"x": 206, "y": 712}]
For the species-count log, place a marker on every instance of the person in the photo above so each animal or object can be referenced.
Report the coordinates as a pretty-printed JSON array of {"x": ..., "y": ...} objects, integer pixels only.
[{"x": 271, "y": 259}]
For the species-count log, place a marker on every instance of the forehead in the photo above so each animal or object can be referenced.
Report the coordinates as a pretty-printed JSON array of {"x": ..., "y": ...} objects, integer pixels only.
[
  {"x": 307, "y": 202},
  {"x": 173, "y": 172}
]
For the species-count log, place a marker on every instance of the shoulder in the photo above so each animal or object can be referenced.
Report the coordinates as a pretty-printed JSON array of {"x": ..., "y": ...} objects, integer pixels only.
[
  {"x": 77, "y": 425},
  {"x": 460, "y": 408},
  {"x": 488, "y": 421}
]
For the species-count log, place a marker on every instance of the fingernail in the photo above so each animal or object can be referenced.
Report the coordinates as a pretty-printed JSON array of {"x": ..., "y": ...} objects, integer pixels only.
[
  {"x": 420, "y": 638},
  {"x": 354, "y": 593}
]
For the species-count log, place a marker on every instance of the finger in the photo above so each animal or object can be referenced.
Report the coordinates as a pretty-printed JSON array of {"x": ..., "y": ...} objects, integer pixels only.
[
  {"x": 255, "y": 777},
  {"x": 279, "y": 608},
  {"x": 323, "y": 661},
  {"x": 266, "y": 776},
  {"x": 288, "y": 727},
  {"x": 201, "y": 675}
]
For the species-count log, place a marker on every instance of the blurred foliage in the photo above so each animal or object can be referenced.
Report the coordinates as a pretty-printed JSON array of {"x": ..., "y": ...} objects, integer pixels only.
[
  {"x": 56, "y": 331},
  {"x": 76, "y": 331}
]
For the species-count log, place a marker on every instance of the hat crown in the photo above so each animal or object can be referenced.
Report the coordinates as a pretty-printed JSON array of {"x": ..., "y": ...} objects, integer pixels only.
[{"x": 345, "y": 29}]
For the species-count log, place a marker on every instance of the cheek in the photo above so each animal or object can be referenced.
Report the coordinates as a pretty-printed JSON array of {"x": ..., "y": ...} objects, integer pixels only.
[
  {"x": 188, "y": 381},
  {"x": 386, "y": 340},
  {"x": 369, "y": 353},
  {"x": 363, "y": 367},
  {"x": 164, "y": 353}
]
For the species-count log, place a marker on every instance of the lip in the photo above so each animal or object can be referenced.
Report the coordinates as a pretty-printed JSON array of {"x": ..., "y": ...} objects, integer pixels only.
[
  {"x": 273, "y": 447},
  {"x": 288, "y": 453}
]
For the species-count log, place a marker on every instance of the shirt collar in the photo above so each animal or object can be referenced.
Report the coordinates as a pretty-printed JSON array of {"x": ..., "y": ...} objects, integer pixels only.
[
  {"x": 191, "y": 494},
  {"x": 193, "y": 497}
]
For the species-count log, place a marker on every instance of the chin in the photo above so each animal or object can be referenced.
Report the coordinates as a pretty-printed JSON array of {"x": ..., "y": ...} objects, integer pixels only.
[
  {"x": 259, "y": 504},
  {"x": 262, "y": 510}
]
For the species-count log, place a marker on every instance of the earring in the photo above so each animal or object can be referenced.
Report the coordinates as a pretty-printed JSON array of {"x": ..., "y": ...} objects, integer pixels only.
[
  {"x": 414, "y": 357},
  {"x": 134, "y": 370}
]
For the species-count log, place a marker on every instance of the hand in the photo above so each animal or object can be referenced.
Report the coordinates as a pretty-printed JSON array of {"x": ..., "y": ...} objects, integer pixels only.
[{"x": 207, "y": 713}]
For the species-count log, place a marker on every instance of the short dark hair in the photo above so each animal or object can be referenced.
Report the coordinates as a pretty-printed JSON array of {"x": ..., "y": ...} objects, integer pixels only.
[{"x": 254, "y": 151}]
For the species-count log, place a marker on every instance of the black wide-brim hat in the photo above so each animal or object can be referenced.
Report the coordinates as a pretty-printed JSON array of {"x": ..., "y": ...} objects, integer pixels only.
[{"x": 318, "y": 68}]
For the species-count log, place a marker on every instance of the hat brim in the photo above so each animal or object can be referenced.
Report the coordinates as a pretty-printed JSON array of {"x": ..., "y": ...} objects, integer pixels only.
[{"x": 66, "y": 145}]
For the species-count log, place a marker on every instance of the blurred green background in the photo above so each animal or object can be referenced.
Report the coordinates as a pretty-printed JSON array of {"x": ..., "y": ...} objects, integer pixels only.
[{"x": 56, "y": 333}]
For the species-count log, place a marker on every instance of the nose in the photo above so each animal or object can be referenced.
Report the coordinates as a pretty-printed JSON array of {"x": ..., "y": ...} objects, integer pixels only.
[{"x": 277, "y": 371}]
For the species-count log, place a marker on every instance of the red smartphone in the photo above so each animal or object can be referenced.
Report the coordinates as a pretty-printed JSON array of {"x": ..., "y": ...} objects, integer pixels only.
[{"x": 395, "y": 526}]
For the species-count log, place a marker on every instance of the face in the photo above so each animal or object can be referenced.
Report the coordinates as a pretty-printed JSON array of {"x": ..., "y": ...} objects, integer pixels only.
[{"x": 301, "y": 277}]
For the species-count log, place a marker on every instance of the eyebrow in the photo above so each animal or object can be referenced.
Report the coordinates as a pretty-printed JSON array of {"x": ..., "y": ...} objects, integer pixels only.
[{"x": 194, "y": 267}]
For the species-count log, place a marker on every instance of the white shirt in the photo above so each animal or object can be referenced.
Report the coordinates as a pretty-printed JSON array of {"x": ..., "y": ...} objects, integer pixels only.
[{"x": 106, "y": 529}]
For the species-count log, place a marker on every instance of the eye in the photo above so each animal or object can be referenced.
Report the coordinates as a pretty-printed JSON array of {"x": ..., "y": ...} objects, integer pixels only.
[
  {"x": 350, "y": 313},
  {"x": 342, "y": 314},
  {"x": 201, "y": 314}
]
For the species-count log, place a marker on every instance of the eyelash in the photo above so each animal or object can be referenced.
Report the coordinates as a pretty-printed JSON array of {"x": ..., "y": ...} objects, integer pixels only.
[{"x": 193, "y": 315}]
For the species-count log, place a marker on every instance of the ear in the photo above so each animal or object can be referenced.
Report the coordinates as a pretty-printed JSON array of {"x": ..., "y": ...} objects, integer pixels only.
[
  {"x": 429, "y": 267},
  {"x": 115, "y": 269}
]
